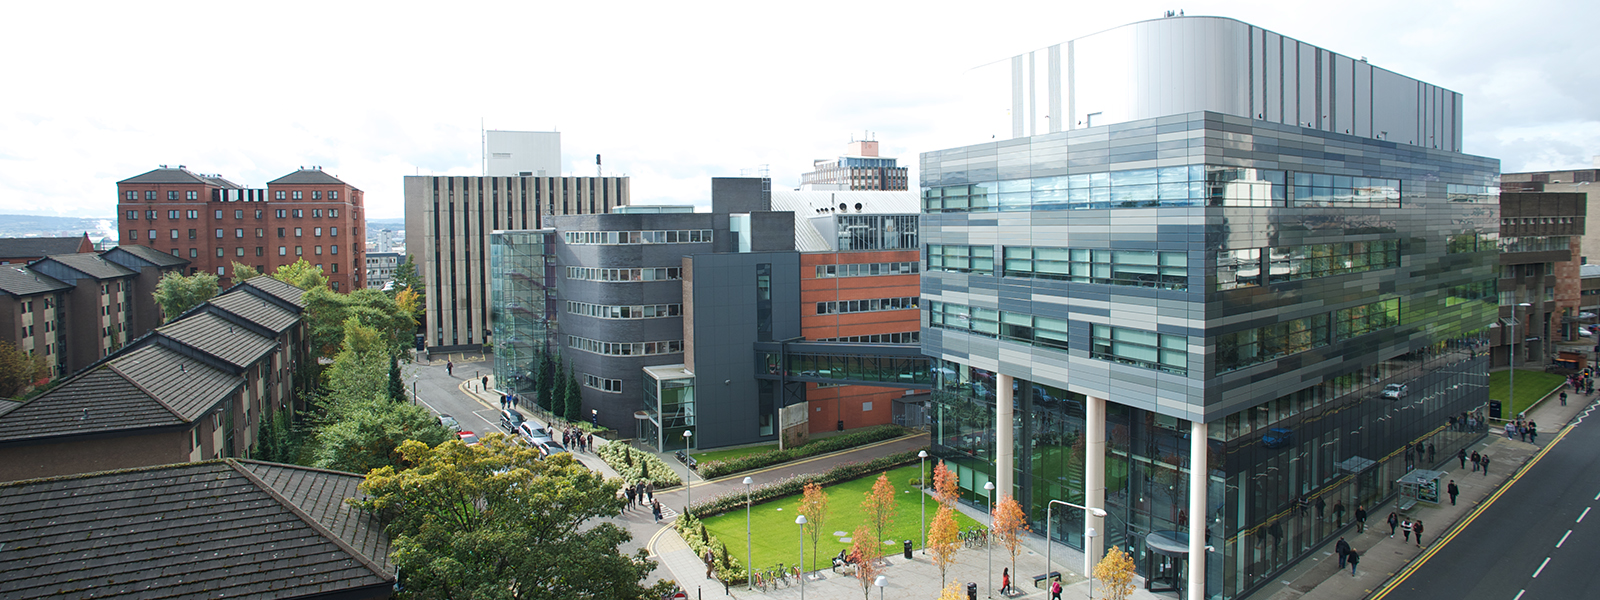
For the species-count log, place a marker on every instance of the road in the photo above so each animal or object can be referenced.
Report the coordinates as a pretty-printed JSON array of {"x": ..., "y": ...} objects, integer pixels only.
[
  {"x": 1535, "y": 541},
  {"x": 439, "y": 390}
]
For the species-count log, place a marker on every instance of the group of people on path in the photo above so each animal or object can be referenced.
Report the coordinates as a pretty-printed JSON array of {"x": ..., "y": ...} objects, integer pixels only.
[
  {"x": 1480, "y": 462},
  {"x": 1406, "y": 526},
  {"x": 1581, "y": 382},
  {"x": 641, "y": 493},
  {"x": 572, "y": 438},
  {"x": 1525, "y": 429}
]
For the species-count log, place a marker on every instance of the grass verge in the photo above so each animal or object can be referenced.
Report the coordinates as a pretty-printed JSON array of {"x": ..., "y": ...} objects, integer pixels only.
[{"x": 1531, "y": 386}]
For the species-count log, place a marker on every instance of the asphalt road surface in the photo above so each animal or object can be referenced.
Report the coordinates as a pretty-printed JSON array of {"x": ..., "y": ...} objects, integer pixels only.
[{"x": 1538, "y": 540}]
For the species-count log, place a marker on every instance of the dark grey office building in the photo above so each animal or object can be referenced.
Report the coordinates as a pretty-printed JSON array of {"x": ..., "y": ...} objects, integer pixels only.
[{"x": 1224, "y": 248}]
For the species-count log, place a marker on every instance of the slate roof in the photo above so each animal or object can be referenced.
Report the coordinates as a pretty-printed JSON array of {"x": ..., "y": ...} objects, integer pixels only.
[
  {"x": 214, "y": 335},
  {"x": 92, "y": 265},
  {"x": 20, "y": 281},
  {"x": 277, "y": 288},
  {"x": 195, "y": 530},
  {"x": 257, "y": 310},
  {"x": 165, "y": 175},
  {"x": 7, "y": 406},
  {"x": 151, "y": 255},
  {"x": 39, "y": 246},
  {"x": 307, "y": 177},
  {"x": 320, "y": 494},
  {"x": 147, "y": 386}
]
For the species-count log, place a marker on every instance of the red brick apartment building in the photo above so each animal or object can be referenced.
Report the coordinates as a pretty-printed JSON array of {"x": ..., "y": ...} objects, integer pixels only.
[
  {"x": 213, "y": 222},
  {"x": 863, "y": 277}
]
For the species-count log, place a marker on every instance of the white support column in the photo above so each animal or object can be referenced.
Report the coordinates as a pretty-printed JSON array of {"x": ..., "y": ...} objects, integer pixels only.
[
  {"x": 1094, "y": 480},
  {"x": 1197, "y": 510},
  {"x": 1004, "y": 444}
]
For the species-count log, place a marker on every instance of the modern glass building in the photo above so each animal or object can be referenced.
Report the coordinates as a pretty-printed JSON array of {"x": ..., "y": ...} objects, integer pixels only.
[
  {"x": 523, "y": 315},
  {"x": 1236, "y": 284}
]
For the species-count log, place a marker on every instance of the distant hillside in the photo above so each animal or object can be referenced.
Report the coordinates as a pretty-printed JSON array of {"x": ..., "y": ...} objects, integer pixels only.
[
  {"x": 38, "y": 226},
  {"x": 378, "y": 224}
]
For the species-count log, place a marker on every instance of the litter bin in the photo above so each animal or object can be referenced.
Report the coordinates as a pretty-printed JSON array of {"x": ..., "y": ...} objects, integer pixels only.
[
  {"x": 908, "y": 549},
  {"x": 841, "y": 425},
  {"x": 1494, "y": 409},
  {"x": 972, "y": 591}
]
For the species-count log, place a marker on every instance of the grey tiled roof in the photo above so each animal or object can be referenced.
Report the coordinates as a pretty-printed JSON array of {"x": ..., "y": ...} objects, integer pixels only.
[
  {"x": 39, "y": 246},
  {"x": 214, "y": 335},
  {"x": 307, "y": 176},
  {"x": 186, "y": 386},
  {"x": 98, "y": 401},
  {"x": 277, "y": 288},
  {"x": 165, "y": 175},
  {"x": 320, "y": 494},
  {"x": 8, "y": 405},
  {"x": 195, "y": 530},
  {"x": 20, "y": 281},
  {"x": 257, "y": 310},
  {"x": 151, "y": 255},
  {"x": 92, "y": 265}
]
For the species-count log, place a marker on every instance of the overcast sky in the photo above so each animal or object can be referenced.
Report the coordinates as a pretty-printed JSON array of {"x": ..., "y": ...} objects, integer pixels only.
[{"x": 671, "y": 93}]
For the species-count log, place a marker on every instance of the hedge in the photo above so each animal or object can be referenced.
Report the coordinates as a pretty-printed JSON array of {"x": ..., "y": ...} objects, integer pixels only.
[
  {"x": 724, "y": 565},
  {"x": 789, "y": 486},
  {"x": 633, "y": 465},
  {"x": 718, "y": 468}
]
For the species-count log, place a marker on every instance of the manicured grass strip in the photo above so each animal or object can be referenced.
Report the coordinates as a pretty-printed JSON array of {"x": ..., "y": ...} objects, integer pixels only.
[
  {"x": 732, "y": 452},
  {"x": 1531, "y": 386},
  {"x": 777, "y": 539}
]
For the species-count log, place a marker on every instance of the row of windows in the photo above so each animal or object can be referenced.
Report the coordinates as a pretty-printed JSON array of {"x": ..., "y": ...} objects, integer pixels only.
[
  {"x": 961, "y": 259},
  {"x": 868, "y": 269},
  {"x": 608, "y": 311},
  {"x": 1482, "y": 290},
  {"x": 678, "y": 236},
  {"x": 1538, "y": 221},
  {"x": 600, "y": 383},
  {"x": 646, "y": 274},
  {"x": 316, "y": 213},
  {"x": 1191, "y": 185},
  {"x": 298, "y": 195},
  {"x": 1367, "y": 318},
  {"x": 1473, "y": 241},
  {"x": 906, "y": 337},
  {"x": 1259, "y": 345},
  {"x": 1142, "y": 268},
  {"x": 624, "y": 348},
  {"x": 1535, "y": 243},
  {"x": 1482, "y": 194},
  {"x": 873, "y": 305},
  {"x": 1141, "y": 348},
  {"x": 1242, "y": 267},
  {"x": 171, "y": 195},
  {"x": 1046, "y": 332},
  {"x": 133, "y": 234}
]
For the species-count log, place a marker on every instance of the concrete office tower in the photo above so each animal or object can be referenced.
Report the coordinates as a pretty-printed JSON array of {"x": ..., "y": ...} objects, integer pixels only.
[
  {"x": 859, "y": 169},
  {"x": 521, "y": 154},
  {"x": 448, "y": 222},
  {"x": 1187, "y": 309}
]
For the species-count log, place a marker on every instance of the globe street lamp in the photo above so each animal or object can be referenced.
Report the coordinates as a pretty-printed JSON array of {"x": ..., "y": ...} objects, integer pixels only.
[
  {"x": 747, "y": 566},
  {"x": 801, "y": 521},
  {"x": 988, "y": 545},
  {"x": 922, "y": 460},
  {"x": 1088, "y": 561},
  {"x": 688, "y": 474},
  {"x": 882, "y": 582}
]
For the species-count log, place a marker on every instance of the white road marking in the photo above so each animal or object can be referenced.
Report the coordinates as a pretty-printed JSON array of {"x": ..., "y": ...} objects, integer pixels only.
[
  {"x": 1563, "y": 539},
  {"x": 1597, "y": 496},
  {"x": 1519, "y": 595},
  {"x": 1585, "y": 514},
  {"x": 1541, "y": 567}
]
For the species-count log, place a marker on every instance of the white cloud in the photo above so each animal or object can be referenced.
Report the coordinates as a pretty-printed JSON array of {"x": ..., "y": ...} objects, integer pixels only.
[{"x": 670, "y": 93}]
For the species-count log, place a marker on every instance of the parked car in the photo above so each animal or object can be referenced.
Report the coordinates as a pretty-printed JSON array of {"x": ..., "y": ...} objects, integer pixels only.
[
  {"x": 450, "y": 422},
  {"x": 468, "y": 437},
  {"x": 550, "y": 448},
  {"x": 1394, "y": 391},
  {"x": 510, "y": 420},
  {"x": 531, "y": 432}
]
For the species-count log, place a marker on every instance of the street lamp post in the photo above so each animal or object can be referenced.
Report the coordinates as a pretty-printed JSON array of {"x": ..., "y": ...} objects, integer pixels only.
[
  {"x": 1511, "y": 402},
  {"x": 414, "y": 377},
  {"x": 988, "y": 547},
  {"x": 1088, "y": 561},
  {"x": 801, "y": 521},
  {"x": 882, "y": 582},
  {"x": 688, "y": 474},
  {"x": 922, "y": 460},
  {"x": 748, "y": 568}
]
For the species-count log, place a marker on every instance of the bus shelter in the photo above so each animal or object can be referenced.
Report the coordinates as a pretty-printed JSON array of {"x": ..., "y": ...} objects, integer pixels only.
[{"x": 1419, "y": 485}]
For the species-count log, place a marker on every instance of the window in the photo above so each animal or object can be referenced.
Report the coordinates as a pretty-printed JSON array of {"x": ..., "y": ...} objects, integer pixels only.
[
  {"x": 150, "y": 214},
  {"x": 297, "y": 196},
  {"x": 335, "y": 286},
  {"x": 153, "y": 235},
  {"x": 299, "y": 213},
  {"x": 194, "y": 234},
  {"x": 333, "y": 232},
  {"x": 316, "y": 213},
  {"x": 334, "y": 248},
  {"x": 317, "y": 250},
  {"x": 239, "y": 251},
  {"x": 687, "y": 236},
  {"x": 606, "y": 311},
  {"x": 219, "y": 253},
  {"x": 1317, "y": 189},
  {"x": 172, "y": 195},
  {"x": 870, "y": 305},
  {"x": 1262, "y": 344},
  {"x": 333, "y": 195},
  {"x": 191, "y": 195},
  {"x": 150, "y": 195},
  {"x": 191, "y": 214},
  {"x": 623, "y": 275},
  {"x": 1146, "y": 349},
  {"x": 260, "y": 233},
  {"x": 194, "y": 253},
  {"x": 133, "y": 215},
  {"x": 132, "y": 195},
  {"x": 174, "y": 214},
  {"x": 299, "y": 250},
  {"x": 316, "y": 231},
  {"x": 280, "y": 232},
  {"x": 259, "y": 250},
  {"x": 219, "y": 233},
  {"x": 218, "y": 214},
  {"x": 333, "y": 212},
  {"x": 133, "y": 235},
  {"x": 281, "y": 213},
  {"x": 1367, "y": 318},
  {"x": 605, "y": 385},
  {"x": 336, "y": 265},
  {"x": 961, "y": 259},
  {"x": 238, "y": 214},
  {"x": 1142, "y": 268},
  {"x": 238, "y": 232},
  {"x": 1238, "y": 268},
  {"x": 220, "y": 273},
  {"x": 625, "y": 348},
  {"x": 283, "y": 251},
  {"x": 315, "y": 195},
  {"x": 297, "y": 232},
  {"x": 258, "y": 213}
]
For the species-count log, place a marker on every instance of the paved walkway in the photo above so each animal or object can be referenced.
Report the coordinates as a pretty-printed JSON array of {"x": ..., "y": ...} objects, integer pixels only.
[{"x": 1382, "y": 556}]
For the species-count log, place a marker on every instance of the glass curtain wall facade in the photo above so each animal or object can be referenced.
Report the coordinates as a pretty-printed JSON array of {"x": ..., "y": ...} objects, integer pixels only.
[
  {"x": 1285, "y": 374},
  {"x": 523, "y": 304}
]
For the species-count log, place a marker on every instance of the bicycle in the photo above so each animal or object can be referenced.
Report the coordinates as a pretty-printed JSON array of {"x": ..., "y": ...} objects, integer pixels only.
[
  {"x": 756, "y": 582},
  {"x": 795, "y": 570}
]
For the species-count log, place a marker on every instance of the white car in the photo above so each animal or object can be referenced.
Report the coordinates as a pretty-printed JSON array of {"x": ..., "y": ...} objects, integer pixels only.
[
  {"x": 533, "y": 433},
  {"x": 1394, "y": 391},
  {"x": 449, "y": 422}
]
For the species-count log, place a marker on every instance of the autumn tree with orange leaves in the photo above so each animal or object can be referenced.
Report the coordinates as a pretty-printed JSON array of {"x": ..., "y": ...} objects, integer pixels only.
[
  {"x": 866, "y": 551},
  {"x": 1009, "y": 524},
  {"x": 879, "y": 506},
  {"x": 944, "y": 539},
  {"x": 944, "y": 485},
  {"x": 814, "y": 505}
]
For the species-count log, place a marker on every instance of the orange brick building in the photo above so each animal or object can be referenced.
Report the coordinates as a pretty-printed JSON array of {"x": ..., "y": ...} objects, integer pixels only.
[{"x": 857, "y": 277}]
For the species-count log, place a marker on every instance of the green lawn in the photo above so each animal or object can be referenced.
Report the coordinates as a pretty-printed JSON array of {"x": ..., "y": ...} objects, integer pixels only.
[
  {"x": 711, "y": 455},
  {"x": 777, "y": 539},
  {"x": 1531, "y": 386}
]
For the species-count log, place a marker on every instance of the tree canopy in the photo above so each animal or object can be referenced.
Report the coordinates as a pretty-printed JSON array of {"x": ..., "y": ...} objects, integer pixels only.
[
  {"x": 19, "y": 370},
  {"x": 362, "y": 426},
  {"x": 328, "y": 310},
  {"x": 301, "y": 274},
  {"x": 496, "y": 522},
  {"x": 244, "y": 272},
  {"x": 408, "y": 277},
  {"x": 176, "y": 293}
]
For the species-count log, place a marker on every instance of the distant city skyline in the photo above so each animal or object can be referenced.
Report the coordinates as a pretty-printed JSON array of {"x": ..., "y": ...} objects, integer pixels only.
[{"x": 668, "y": 97}]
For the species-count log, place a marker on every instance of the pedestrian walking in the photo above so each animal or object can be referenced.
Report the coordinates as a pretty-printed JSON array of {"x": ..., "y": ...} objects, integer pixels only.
[
  {"x": 639, "y": 489},
  {"x": 1354, "y": 558},
  {"x": 630, "y": 496},
  {"x": 1462, "y": 454},
  {"x": 1416, "y": 527},
  {"x": 1511, "y": 431},
  {"x": 1394, "y": 522},
  {"x": 1485, "y": 465},
  {"x": 1533, "y": 436},
  {"x": 1453, "y": 490},
  {"x": 1343, "y": 548},
  {"x": 1055, "y": 590},
  {"x": 711, "y": 562},
  {"x": 650, "y": 491},
  {"x": 1564, "y": 397},
  {"x": 1361, "y": 518},
  {"x": 1405, "y": 529},
  {"x": 655, "y": 509},
  {"x": 485, "y": 383},
  {"x": 1005, "y": 581},
  {"x": 450, "y": 368},
  {"x": 1477, "y": 461}
]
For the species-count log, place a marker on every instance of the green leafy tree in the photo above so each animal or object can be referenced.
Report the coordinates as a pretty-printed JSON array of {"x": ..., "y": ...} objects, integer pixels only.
[
  {"x": 361, "y": 427},
  {"x": 496, "y": 522},
  {"x": 558, "y": 391},
  {"x": 301, "y": 274},
  {"x": 574, "y": 404},
  {"x": 244, "y": 272},
  {"x": 1116, "y": 573},
  {"x": 397, "y": 388},
  {"x": 20, "y": 370},
  {"x": 176, "y": 293},
  {"x": 328, "y": 311},
  {"x": 543, "y": 384},
  {"x": 407, "y": 277}
]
